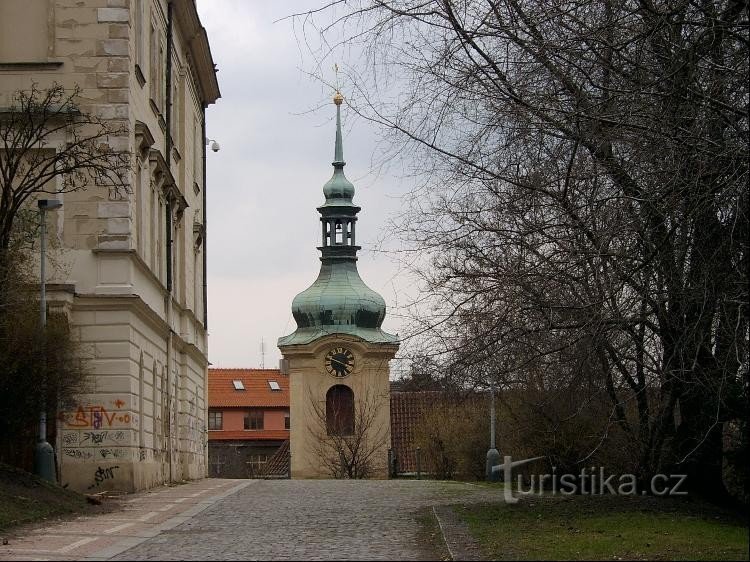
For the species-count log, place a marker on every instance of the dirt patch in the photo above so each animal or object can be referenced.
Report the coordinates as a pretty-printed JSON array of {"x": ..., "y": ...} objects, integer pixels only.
[{"x": 25, "y": 498}]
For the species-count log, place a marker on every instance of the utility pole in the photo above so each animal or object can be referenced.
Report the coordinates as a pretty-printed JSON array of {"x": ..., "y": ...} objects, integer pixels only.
[
  {"x": 493, "y": 455},
  {"x": 44, "y": 454}
]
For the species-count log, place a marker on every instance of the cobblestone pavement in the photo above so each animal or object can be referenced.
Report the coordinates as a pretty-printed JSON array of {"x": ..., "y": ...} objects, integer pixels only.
[
  {"x": 310, "y": 520},
  {"x": 257, "y": 520}
]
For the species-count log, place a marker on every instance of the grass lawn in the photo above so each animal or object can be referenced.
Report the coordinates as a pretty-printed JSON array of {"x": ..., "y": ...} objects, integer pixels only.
[
  {"x": 606, "y": 528},
  {"x": 24, "y": 498}
]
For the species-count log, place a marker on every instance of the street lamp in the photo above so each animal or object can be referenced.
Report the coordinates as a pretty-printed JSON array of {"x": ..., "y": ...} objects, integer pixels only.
[
  {"x": 493, "y": 455},
  {"x": 44, "y": 454}
]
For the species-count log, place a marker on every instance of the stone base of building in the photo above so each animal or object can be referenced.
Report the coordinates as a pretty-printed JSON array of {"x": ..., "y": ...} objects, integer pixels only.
[{"x": 142, "y": 421}]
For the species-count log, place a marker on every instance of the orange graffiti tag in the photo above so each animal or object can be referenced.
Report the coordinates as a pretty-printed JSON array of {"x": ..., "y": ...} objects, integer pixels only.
[{"x": 96, "y": 417}]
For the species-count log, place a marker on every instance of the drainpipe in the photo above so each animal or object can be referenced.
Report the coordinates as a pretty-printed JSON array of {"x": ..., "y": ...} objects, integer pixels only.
[
  {"x": 205, "y": 222},
  {"x": 170, "y": 398},
  {"x": 168, "y": 296},
  {"x": 168, "y": 142}
]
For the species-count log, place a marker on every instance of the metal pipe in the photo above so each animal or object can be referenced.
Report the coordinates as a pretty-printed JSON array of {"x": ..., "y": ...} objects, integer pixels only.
[
  {"x": 205, "y": 223},
  {"x": 44, "y": 453},
  {"x": 492, "y": 416},
  {"x": 493, "y": 455},
  {"x": 168, "y": 141},
  {"x": 43, "y": 315}
]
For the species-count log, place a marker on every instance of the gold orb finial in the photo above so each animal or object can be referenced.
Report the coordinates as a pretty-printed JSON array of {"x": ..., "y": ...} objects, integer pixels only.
[{"x": 338, "y": 98}]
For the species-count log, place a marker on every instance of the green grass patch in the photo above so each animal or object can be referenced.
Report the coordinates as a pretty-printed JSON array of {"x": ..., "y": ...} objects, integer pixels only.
[
  {"x": 24, "y": 498},
  {"x": 606, "y": 528}
]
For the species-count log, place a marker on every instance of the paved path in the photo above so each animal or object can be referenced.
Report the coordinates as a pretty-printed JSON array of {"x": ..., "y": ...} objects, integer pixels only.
[{"x": 255, "y": 520}]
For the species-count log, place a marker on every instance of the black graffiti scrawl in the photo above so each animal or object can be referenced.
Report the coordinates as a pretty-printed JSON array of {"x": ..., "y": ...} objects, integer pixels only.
[{"x": 103, "y": 474}]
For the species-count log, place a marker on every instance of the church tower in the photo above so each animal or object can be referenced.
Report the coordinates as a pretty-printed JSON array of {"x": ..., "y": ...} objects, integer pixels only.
[{"x": 338, "y": 357}]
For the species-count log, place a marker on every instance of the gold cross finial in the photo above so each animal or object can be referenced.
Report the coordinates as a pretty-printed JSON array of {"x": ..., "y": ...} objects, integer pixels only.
[{"x": 337, "y": 98}]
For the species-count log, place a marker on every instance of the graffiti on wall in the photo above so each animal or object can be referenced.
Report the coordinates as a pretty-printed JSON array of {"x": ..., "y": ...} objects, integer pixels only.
[
  {"x": 99, "y": 431},
  {"x": 103, "y": 474},
  {"x": 98, "y": 417}
]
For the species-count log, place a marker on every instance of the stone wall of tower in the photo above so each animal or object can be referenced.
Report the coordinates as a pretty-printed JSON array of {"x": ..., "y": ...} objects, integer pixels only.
[
  {"x": 143, "y": 421},
  {"x": 309, "y": 382}
]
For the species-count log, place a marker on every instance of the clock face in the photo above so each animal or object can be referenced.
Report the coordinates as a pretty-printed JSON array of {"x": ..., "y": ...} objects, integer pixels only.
[{"x": 339, "y": 362}]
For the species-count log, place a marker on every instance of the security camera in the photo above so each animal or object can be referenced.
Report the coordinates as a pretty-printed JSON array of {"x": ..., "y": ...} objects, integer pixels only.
[{"x": 215, "y": 146}]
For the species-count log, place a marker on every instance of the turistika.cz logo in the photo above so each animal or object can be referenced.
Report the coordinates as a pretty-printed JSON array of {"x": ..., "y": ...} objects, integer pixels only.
[{"x": 590, "y": 481}]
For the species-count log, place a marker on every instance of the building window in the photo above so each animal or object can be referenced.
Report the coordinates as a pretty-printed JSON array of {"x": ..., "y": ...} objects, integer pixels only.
[
  {"x": 198, "y": 141},
  {"x": 175, "y": 115},
  {"x": 287, "y": 421},
  {"x": 254, "y": 419},
  {"x": 139, "y": 41},
  {"x": 156, "y": 74},
  {"x": 340, "y": 410},
  {"x": 215, "y": 420},
  {"x": 274, "y": 385}
]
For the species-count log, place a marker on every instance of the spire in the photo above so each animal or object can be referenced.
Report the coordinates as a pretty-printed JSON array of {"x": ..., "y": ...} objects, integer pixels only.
[
  {"x": 339, "y": 190},
  {"x": 338, "y": 158}
]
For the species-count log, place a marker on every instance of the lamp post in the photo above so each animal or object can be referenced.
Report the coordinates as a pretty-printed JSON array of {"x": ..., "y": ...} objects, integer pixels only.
[
  {"x": 44, "y": 454},
  {"x": 493, "y": 455}
]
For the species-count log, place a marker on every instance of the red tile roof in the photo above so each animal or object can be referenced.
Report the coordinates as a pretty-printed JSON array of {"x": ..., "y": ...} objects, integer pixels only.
[
  {"x": 278, "y": 465},
  {"x": 257, "y": 393},
  {"x": 407, "y": 411},
  {"x": 249, "y": 435}
]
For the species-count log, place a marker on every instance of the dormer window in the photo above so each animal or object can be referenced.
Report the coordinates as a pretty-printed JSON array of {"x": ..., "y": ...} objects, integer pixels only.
[
  {"x": 274, "y": 385},
  {"x": 238, "y": 385}
]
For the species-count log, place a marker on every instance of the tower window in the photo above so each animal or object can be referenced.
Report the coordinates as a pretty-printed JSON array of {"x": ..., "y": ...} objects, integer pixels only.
[
  {"x": 340, "y": 410},
  {"x": 339, "y": 233}
]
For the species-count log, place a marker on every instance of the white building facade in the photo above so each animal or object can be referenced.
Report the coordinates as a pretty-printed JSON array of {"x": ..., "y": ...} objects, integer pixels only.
[{"x": 130, "y": 272}]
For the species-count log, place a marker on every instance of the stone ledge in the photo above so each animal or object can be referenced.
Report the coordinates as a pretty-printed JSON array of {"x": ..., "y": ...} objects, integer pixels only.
[{"x": 30, "y": 65}]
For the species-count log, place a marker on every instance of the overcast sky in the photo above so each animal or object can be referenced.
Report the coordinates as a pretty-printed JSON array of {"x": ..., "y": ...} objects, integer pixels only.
[{"x": 265, "y": 183}]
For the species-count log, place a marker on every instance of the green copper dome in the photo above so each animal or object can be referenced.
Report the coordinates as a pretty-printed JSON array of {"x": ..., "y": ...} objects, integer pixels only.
[
  {"x": 338, "y": 302},
  {"x": 338, "y": 190}
]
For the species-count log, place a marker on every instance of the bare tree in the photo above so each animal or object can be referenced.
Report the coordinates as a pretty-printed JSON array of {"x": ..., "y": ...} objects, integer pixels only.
[
  {"x": 585, "y": 207},
  {"x": 49, "y": 146},
  {"x": 346, "y": 441}
]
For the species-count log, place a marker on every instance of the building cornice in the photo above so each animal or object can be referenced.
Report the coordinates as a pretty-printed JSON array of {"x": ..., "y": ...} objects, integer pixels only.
[{"x": 196, "y": 39}]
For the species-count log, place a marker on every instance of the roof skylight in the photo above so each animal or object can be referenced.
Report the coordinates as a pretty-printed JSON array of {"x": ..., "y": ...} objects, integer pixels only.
[
  {"x": 274, "y": 385},
  {"x": 238, "y": 385}
]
